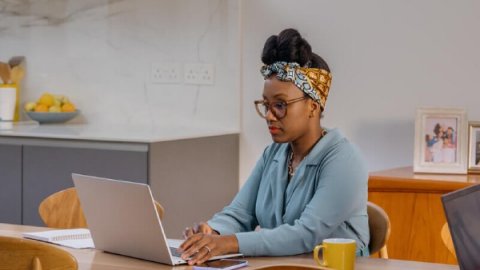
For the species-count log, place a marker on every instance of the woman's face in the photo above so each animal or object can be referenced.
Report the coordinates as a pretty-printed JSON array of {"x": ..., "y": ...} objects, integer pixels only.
[{"x": 295, "y": 123}]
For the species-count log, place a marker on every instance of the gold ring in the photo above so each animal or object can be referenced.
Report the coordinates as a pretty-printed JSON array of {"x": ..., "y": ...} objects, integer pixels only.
[{"x": 208, "y": 249}]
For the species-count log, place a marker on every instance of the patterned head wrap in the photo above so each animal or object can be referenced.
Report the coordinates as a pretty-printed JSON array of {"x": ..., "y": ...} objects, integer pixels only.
[{"x": 314, "y": 82}]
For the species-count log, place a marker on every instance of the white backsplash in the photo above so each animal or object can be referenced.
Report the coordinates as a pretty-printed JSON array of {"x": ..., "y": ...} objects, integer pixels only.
[{"x": 99, "y": 54}]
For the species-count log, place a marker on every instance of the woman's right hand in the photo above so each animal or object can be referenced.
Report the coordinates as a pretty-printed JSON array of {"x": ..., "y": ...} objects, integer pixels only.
[{"x": 203, "y": 227}]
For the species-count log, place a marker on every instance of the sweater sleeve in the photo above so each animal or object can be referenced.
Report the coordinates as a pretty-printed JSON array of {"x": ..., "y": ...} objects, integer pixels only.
[
  {"x": 342, "y": 188},
  {"x": 239, "y": 216}
]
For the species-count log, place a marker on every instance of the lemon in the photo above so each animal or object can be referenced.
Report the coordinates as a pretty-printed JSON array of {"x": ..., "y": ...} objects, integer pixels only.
[
  {"x": 41, "y": 108},
  {"x": 30, "y": 106},
  {"x": 57, "y": 101},
  {"x": 55, "y": 108},
  {"x": 46, "y": 99},
  {"x": 65, "y": 99},
  {"x": 68, "y": 107}
]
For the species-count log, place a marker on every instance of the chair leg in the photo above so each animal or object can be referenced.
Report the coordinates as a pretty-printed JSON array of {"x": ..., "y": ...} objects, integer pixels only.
[
  {"x": 36, "y": 264},
  {"x": 383, "y": 252}
]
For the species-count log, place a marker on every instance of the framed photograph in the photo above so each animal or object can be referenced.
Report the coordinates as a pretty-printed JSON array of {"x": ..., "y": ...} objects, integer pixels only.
[
  {"x": 474, "y": 147},
  {"x": 440, "y": 141}
]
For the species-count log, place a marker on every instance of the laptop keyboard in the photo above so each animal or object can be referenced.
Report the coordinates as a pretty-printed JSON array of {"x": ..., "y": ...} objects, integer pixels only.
[{"x": 174, "y": 252}]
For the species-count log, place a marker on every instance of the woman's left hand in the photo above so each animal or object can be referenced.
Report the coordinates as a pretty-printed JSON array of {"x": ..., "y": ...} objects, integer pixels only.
[{"x": 201, "y": 247}]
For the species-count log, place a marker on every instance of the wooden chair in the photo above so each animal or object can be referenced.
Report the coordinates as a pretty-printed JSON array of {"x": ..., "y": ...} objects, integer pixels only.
[
  {"x": 447, "y": 239},
  {"x": 379, "y": 226},
  {"x": 62, "y": 210},
  {"x": 23, "y": 254}
]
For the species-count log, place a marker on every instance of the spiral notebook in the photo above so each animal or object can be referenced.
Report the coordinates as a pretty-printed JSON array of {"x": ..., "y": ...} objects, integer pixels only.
[{"x": 74, "y": 238}]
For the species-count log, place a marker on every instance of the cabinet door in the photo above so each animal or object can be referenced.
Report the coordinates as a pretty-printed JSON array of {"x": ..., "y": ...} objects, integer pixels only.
[
  {"x": 48, "y": 169},
  {"x": 10, "y": 184}
]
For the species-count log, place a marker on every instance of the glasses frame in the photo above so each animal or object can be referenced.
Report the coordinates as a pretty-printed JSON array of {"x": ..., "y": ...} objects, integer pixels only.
[{"x": 268, "y": 105}]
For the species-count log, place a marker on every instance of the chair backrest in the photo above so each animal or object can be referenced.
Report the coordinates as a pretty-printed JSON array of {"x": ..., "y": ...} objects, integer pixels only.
[
  {"x": 447, "y": 239},
  {"x": 62, "y": 210},
  {"x": 379, "y": 225},
  {"x": 23, "y": 254}
]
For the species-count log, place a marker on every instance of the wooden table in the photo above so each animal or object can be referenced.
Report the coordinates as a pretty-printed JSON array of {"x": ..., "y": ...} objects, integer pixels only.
[
  {"x": 98, "y": 260},
  {"x": 412, "y": 201}
]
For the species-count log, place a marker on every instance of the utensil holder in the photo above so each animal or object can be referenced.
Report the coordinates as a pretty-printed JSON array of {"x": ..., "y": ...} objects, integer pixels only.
[{"x": 8, "y": 101}]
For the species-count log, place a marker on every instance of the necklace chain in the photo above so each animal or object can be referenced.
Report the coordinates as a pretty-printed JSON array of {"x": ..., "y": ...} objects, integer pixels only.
[{"x": 291, "y": 170}]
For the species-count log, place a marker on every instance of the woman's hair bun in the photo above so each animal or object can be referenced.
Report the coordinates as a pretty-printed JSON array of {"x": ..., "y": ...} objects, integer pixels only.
[
  {"x": 290, "y": 46},
  {"x": 269, "y": 54}
]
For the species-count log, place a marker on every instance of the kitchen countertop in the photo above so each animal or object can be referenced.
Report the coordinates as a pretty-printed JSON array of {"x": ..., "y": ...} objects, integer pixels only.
[{"x": 112, "y": 133}]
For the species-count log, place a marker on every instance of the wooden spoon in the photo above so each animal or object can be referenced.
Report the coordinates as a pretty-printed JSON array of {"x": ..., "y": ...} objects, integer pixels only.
[
  {"x": 17, "y": 74},
  {"x": 5, "y": 72}
]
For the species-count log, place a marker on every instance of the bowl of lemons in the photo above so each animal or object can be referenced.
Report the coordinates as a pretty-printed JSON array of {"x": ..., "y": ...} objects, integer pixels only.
[{"x": 51, "y": 108}]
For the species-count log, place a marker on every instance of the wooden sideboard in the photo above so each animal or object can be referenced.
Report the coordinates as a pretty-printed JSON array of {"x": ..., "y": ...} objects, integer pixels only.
[{"x": 412, "y": 202}]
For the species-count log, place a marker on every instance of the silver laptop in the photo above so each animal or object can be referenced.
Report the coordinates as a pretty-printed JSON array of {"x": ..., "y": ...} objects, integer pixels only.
[
  {"x": 122, "y": 219},
  {"x": 462, "y": 208}
]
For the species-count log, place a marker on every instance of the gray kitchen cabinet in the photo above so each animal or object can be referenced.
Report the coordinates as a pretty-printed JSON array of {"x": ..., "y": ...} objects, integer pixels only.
[
  {"x": 10, "y": 183},
  {"x": 48, "y": 169}
]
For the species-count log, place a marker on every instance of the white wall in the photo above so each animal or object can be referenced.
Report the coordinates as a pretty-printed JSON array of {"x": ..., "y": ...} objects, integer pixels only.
[
  {"x": 387, "y": 59},
  {"x": 99, "y": 52}
]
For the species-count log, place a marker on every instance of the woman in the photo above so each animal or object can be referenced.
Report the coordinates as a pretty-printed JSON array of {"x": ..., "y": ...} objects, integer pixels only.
[
  {"x": 310, "y": 184},
  {"x": 437, "y": 146}
]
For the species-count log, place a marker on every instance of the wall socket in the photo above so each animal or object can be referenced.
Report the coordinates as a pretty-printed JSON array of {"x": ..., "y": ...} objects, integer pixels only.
[
  {"x": 199, "y": 73},
  {"x": 165, "y": 72}
]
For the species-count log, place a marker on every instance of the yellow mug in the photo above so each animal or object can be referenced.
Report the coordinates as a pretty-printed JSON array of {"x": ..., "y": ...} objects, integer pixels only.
[{"x": 338, "y": 253}]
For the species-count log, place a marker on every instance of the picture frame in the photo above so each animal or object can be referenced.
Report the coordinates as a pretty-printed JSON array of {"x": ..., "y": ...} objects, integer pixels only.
[
  {"x": 440, "y": 141},
  {"x": 474, "y": 147}
]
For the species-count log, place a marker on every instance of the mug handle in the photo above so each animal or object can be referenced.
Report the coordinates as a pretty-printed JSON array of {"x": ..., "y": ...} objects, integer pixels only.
[{"x": 315, "y": 255}]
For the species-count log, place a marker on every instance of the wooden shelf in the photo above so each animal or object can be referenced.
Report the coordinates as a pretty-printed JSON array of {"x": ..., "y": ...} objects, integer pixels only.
[{"x": 404, "y": 180}]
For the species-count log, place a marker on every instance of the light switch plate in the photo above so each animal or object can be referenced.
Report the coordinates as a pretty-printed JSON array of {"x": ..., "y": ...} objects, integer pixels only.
[
  {"x": 165, "y": 72},
  {"x": 199, "y": 73}
]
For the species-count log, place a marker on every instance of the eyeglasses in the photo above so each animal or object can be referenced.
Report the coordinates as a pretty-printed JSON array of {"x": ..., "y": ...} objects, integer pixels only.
[{"x": 277, "y": 108}]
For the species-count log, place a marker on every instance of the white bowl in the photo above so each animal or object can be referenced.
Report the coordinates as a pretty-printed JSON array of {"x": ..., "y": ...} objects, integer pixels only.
[{"x": 52, "y": 117}]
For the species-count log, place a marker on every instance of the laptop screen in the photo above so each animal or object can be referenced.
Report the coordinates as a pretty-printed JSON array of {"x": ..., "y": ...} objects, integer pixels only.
[{"x": 462, "y": 208}]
